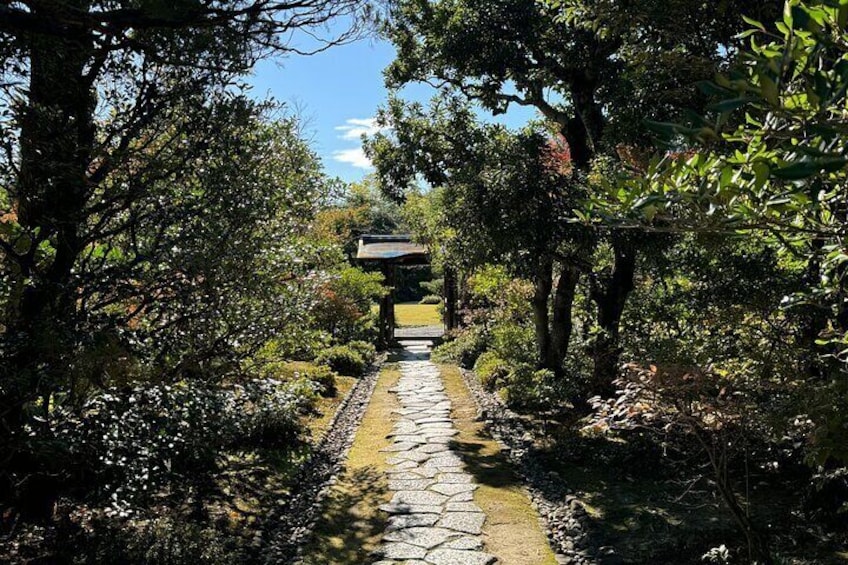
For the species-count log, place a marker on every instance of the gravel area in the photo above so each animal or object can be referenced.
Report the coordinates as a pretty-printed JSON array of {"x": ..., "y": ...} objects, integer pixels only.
[
  {"x": 295, "y": 518},
  {"x": 562, "y": 515}
]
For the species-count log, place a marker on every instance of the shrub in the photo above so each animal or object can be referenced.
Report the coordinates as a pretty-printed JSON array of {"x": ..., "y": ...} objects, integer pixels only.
[
  {"x": 163, "y": 540},
  {"x": 514, "y": 343},
  {"x": 321, "y": 375},
  {"x": 365, "y": 349},
  {"x": 344, "y": 304},
  {"x": 431, "y": 299},
  {"x": 266, "y": 412},
  {"x": 175, "y": 542},
  {"x": 299, "y": 346},
  {"x": 433, "y": 287},
  {"x": 463, "y": 350},
  {"x": 344, "y": 360},
  {"x": 325, "y": 378},
  {"x": 491, "y": 370},
  {"x": 137, "y": 442},
  {"x": 529, "y": 389}
]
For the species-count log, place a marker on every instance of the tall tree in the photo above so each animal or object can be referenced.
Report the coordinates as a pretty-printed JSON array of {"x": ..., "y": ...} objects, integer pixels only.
[
  {"x": 593, "y": 68},
  {"x": 104, "y": 102}
]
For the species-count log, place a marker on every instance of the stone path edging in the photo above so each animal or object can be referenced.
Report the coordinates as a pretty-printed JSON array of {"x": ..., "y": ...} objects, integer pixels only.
[
  {"x": 295, "y": 520},
  {"x": 433, "y": 519},
  {"x": 562, "y": 515}
]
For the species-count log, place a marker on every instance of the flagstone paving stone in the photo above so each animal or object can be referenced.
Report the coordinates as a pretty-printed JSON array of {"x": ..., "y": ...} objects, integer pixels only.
[
  {"x": 469, "y": 522},
  {"x": 426, "y": 537},
  {"x": 459, "y": 557},
  {"x": 401, "y": 521}
]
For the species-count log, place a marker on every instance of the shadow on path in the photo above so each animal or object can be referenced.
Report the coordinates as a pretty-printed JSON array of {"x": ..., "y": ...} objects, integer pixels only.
[{"x": 338, "y": 541}]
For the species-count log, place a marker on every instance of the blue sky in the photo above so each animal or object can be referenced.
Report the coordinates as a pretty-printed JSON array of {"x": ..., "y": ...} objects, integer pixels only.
[{"x": 337, "y": 92}]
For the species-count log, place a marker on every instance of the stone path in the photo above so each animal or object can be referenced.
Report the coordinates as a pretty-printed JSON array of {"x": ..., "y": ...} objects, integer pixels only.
[{"x": 433, "y": 518}]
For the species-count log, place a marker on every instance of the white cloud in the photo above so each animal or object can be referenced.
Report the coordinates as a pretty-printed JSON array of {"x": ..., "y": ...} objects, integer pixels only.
[
  {"x": 355, "y": 157},
  {"x": 355, "y": 128}
]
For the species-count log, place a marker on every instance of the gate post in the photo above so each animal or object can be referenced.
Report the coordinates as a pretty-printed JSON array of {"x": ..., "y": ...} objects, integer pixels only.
[{"x": 387, "y": 307}]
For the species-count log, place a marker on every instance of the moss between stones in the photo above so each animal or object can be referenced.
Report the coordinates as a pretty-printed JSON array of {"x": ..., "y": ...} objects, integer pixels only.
[{"x": 512, "y": 530}]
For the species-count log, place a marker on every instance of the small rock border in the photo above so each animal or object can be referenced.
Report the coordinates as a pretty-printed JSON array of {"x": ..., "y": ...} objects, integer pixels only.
[
  {"x": 561, "y": 514},
  {"x": 295, "y": 519}
]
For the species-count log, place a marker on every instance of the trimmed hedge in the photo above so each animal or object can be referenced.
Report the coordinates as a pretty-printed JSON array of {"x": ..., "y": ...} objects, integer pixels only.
[{"x": 344, "y": 360}]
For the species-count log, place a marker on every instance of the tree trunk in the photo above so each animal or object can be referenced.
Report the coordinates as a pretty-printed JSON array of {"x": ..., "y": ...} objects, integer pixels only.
[
  {"x": 561, "y": 325},
  {"x": 543, "y": 283},
  {"x": 56, "y": 147},
  {"x": 610, "y": 301},
  {"x": 450, "y": 299}
]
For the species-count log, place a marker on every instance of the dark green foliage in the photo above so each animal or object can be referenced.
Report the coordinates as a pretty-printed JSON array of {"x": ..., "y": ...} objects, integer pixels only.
[
  {"x": 433, "y": 287},
  {"x": 325, "y": 378},
  {"x": 431, "y": 299},
  {"x": 528, "y": 388},
  {"x": 491, "y": 370},
  {"x": 344, "y": 360},
  {"x": 290, "y": 371},
  {"x": 408, "y": 283},
  {"x": 365, "y": 349},
  {"x": 158, "y": 541},
  {"x": 463, "y": 349}
]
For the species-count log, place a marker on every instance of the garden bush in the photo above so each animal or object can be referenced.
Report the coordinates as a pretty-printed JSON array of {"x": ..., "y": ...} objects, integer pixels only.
[
  {"x": 266, "y": 413},
  {"x": 431, "y": 299},
  {"x": 463, "y": 350},
  {"x": 139, "y": 442},
  {"x": 160, "y": 541},
  {"x": 297, "y": 346},
  {"x": 87, "y": 535},
  {"x": 344, "y": 307},
  {"x": 321, "y": 375},
  {"x": 344, "y": 360},
  {"x": 528, "y": 388},
  {"x": 365, "y": 349},
  {"x": 514, "y": 343},
  {"x": 491, "y": 370}
]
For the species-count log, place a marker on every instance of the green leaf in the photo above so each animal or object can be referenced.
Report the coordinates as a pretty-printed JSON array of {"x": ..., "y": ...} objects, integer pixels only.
[
  {"x": 796, "y": 171},
  {"x": 769, "y": 90},
  {"x": 754, "y": 23},
  {"x": 761, "y": 174},
  {"x": 805, "y": 169},
  {"x": 711, "y": 88}
]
